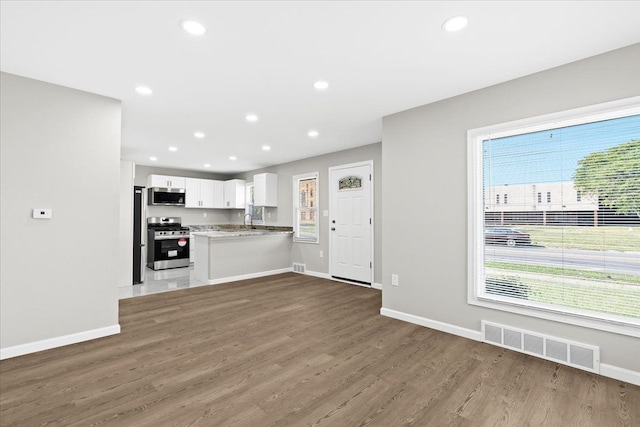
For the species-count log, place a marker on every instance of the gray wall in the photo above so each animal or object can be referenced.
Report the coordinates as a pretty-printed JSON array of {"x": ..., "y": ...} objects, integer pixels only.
[
  {"x": 425, "y": 163},
  {"x": 60, "y": 149},
  {"x": 309, "y": 253},
  {"x": 190, "y": 216}
]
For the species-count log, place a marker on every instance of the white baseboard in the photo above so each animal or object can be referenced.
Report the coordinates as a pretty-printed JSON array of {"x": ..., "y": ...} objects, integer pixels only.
[
  {"x": 622, "y": 374},
  {"x": 33, "y": 347},
  {"x": 249, "y": 276},
  {"x": 316, "y": 274},
  {"x": 377, "y": 286},
  {"x": 433, "y": 324},
  {"x": 328, "y": 276},
  {"x": 615, "y": 372}
]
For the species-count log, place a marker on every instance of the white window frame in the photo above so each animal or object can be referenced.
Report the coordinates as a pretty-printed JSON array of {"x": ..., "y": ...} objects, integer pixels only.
[
  {"x": 247, "y": 199},
  {"x": 296, "y": 207},
  {"x": 475, "y": 214}
]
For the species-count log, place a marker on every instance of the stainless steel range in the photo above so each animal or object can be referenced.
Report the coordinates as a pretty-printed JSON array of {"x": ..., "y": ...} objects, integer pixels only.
[{"x": 167, "y": 243}]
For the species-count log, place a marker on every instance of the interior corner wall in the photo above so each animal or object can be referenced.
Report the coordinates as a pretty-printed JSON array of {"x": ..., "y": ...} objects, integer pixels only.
[
  {"x": 125, "y": 250},
  {"x": 309, "y": 253},
  {"x": 424, "y": 192},
  {"x": 59, "y": 149}
]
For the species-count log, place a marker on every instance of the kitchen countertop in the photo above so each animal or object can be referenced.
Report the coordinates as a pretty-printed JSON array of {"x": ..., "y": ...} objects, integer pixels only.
[
  {"x": 226, "y": 234},
  {"x": 235, "y": 228}
]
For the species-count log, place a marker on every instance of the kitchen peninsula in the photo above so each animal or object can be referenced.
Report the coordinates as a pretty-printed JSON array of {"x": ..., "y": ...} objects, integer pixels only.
[{"x": 229, "y": 254}]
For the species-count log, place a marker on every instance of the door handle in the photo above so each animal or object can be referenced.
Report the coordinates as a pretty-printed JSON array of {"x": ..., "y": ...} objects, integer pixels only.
[{"x": 333, "y": 229}]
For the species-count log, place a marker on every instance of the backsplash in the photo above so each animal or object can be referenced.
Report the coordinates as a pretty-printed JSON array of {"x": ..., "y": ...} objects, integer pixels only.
[{"x": 192, "y": 216}]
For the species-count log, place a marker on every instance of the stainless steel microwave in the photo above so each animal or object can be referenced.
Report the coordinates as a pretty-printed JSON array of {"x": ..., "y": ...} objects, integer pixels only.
[{"x": 159, "y": 196}]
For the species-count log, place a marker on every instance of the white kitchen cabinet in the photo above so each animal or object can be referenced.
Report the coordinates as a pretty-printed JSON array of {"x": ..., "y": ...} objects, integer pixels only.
[
  {"x": 218, "y": 194},
  {"x": 234, "y": 194},
  {"x": 265, "y": 189},
  {"x": 203, "y": 193},
  {"x": 165, "y": 181}
]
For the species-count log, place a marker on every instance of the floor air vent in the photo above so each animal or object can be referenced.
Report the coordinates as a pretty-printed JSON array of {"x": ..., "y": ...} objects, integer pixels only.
[
  {"x": 581, "y": 356},
  {"x": 298, "y": 268}
]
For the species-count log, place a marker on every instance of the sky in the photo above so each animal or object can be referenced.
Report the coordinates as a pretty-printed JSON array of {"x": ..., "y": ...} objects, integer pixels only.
[{"x": 552, "y": 155}]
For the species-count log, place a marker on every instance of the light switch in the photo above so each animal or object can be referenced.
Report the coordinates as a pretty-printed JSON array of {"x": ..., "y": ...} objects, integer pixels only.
[
  {"x": 394, "y": 280},
  {"x": 42, "y": 213},
  {"x": 325, "y": 213}
]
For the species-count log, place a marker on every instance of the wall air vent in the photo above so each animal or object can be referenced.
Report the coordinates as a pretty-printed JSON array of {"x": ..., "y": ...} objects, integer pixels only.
[
  {"x": 298, "y": 268},
  {"x": 581, "y": 356}
]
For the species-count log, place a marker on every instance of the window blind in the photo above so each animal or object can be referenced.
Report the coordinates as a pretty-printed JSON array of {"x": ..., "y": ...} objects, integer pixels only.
[{"x": 566, "y": 236}]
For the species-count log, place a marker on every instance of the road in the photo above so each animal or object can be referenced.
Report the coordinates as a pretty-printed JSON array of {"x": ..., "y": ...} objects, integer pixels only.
[{"x": 611, "y": 262}]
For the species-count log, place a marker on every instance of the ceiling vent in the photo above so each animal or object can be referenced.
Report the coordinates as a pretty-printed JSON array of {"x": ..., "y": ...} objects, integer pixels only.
[{"x": 581, "y": 356}]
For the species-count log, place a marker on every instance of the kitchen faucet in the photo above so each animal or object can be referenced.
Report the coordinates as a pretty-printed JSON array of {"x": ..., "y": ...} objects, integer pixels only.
[{"x": 250, "y": 219}]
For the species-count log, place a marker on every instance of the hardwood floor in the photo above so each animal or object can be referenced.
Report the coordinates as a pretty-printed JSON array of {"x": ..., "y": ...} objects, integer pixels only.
[{"x": 294, "y": 350}]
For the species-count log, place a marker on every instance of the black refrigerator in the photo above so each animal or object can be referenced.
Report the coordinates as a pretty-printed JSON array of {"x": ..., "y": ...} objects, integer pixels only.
[{"x": 139, "y": 235}]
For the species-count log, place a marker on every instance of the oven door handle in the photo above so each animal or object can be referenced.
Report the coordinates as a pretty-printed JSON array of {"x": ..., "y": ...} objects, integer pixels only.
[{"x": 170, "y": 237}]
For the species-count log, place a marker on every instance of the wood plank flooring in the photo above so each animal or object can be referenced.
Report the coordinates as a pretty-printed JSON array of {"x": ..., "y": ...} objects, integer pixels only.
[{"x": 294, "y": 350}]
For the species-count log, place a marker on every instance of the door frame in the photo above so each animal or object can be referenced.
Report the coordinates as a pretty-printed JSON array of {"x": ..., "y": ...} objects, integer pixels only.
[{"x": 371, "y": 226}]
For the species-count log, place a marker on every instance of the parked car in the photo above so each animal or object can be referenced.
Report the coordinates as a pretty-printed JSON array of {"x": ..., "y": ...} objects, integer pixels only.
[{"x": 506, "y": 236}]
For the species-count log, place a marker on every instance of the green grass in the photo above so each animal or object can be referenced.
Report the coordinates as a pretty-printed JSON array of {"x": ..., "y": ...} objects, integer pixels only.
[
  {"x": 622, "y": 239},
  {"x": 621, "y": 300},
  {"x": 567, "y": 272},
  {"x": 608, "y": 292}
]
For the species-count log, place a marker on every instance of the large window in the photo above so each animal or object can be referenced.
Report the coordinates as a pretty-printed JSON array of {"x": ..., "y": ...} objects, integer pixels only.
[
  {"x": 305, "y": 208},
  {"x": 576, "y": 257}
]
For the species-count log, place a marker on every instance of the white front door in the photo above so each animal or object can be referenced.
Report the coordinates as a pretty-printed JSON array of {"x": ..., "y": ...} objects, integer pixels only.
[{"x": 351, "y": 222}]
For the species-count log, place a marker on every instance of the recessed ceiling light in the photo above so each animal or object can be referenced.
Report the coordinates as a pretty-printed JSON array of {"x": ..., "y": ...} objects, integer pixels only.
[
  {"x": 252, "y": 118},
  {"x": 143, "y": 90},
  {"x": 266, "y": 148},
  {"x": 193, "y": 27},
  {"x": 173, "y": 148},
  {"x": 313, "y": 133},
  {"x": 207, "y": 165},
  {"x": 321, "y": 85},
  {"x": 455, "y": 24},
  {"x": 233, "y": 158},
  {"x": 199, "y": 135},
  {"x": 153, "y": 159}
]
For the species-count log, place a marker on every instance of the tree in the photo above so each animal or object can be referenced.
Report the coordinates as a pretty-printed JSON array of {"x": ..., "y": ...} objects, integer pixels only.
[{"x": 612, "y": 175}]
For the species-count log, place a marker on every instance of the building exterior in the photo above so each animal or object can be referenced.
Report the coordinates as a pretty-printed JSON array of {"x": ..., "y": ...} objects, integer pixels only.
[{"x": 550, "y": 203}]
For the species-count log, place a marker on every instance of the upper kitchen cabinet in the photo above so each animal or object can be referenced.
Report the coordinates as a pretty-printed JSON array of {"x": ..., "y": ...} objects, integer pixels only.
[
  {"x": 265, "y": 189},
  {"x": 204, "y": 193},
  {"x": 218, "y": 194},
  {"x": 234, "y": 194},
  {"x": 166, "y": 181}
]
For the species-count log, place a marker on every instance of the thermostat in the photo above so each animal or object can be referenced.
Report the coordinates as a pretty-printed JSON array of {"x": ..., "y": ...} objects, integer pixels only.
[{"x": 42, "y": 213}]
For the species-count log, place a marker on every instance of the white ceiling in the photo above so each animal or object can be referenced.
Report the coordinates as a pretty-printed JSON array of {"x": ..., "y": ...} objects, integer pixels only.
[{"x": 263, "y": 57}]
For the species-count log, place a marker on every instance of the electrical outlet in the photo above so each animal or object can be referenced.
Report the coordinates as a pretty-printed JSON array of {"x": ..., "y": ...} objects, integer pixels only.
[
  {"x": 239, "y": 214},
  {"x": 321, "y": 254},
  {"x": 268, "y": 214},
  {"x": 204, "y": 214},
  {"x": 394, "y": 280}
]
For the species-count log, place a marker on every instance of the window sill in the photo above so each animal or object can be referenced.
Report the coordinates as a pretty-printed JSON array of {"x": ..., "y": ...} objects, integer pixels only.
[
  {"x": 560, "y": 317},
  {"x": 298, "y": 240}
]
